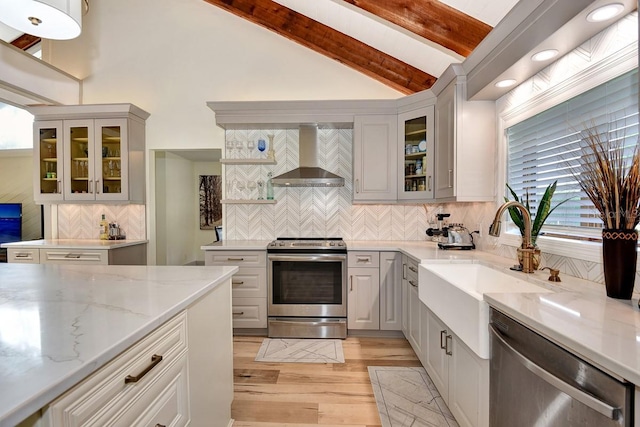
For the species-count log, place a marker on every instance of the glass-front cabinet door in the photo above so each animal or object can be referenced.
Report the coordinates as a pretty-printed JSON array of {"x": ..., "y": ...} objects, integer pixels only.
[
  {"x": 96, "y": 159},
  {"x": 416, "y": 136},
  {"x": 79, "y": 182},
  {"x": 49, "y": 168},
  {"x": 111, "y": 159}
]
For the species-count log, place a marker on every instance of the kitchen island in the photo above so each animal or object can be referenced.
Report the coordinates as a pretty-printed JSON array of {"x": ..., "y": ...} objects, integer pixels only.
[{"x": 62, "y": 325}]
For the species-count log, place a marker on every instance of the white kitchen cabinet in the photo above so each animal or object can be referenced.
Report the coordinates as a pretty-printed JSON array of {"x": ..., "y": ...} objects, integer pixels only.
[
  {"x": 390, "y": 291},
  {"x": 89, "y": 153},
  {"x": 249, "y": 285},
  {"x": 416, "y": 136},
  {"x": 134, "y": 385},
  {"x": 375, "y": 168},
  {"x": 190, "y": 384},
  {"x": 126, "y": 255},
  {"x": 461, "y": 377},
  {"x": 464, "y": 146},
  {"x": 363, "y": 303}
]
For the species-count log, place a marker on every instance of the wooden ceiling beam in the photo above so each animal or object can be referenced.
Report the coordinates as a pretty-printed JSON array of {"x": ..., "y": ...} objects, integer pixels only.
[
  {"x": 432, "y": 20},
  {"x": 331, "y": 43},
  {"x": 25, "y": 41}
]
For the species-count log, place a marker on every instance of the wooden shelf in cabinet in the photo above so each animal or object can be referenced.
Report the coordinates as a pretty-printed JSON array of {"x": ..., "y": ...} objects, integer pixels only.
[
  {"x": 82, "y": 139},
  {"x": 415, "y": 156},
  {"x": 112, "y": 178},
  {"x": 248, "y": 162},
  {"x": 50, "y": 159},
  {"x": 248, "y": 202},
  {"x": 49, "y": 140},
  {"x": 415, "y": 176},
  {"x": 416, "y": 132}
]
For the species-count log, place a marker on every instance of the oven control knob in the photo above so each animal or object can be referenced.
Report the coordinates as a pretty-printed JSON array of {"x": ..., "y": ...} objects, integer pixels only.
[
  {"x": 281, "y": 243},
  {"x": 332, "y": 244},
  {"x": 340, "y": 243}
]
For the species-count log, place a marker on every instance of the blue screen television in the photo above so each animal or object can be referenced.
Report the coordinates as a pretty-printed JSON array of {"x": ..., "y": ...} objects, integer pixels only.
[{"x": 10, "y": 222}]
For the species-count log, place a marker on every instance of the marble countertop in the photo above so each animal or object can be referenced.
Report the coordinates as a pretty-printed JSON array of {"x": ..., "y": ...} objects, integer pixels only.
[
  {"x": 73, "y": 244},
  {"x": 577, "y": 315},
  {"x": 59, "y": 324}
]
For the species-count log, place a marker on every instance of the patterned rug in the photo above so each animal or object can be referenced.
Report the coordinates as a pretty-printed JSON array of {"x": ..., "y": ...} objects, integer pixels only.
[
  {"x": 407, "y": 397},
  {"x": 300, "y": 350}
]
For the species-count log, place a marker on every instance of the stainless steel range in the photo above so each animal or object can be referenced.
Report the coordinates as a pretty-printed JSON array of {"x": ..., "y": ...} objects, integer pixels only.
[{"x": 307, "y": 288}]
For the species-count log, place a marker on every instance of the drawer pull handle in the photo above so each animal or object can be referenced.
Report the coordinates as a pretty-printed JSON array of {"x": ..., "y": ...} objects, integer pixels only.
[
  {"x": 155, "y": 359},
  {"x": 364, "y": 259},
  {"x": 160, "y": 425},
  {"x": 448, "y": 351},
  {"x": 75, "y": 256},
  {"x": 412, "y": 283},
  {"x": 238, "y": 313},
  {"x": 235, "y": 259},
  {"x": 443, "y": 339},
  {"x": 27, "y": 255},
  {"x": 413, "y": 269},
  {"x": 237, "y": 283}
]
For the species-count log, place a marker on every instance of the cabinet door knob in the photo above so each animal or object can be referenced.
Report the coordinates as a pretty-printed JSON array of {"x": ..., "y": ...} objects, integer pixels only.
[
  {"x": 357, "y": 186},
  {"x": 429, "y": 183},
  {"x": 350, "y": 283}
]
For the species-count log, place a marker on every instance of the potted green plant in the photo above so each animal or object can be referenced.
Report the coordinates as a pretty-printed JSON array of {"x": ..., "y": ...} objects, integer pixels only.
[
  {"x": 608, "y": 171},
  {"x": 537, "y": 220}
]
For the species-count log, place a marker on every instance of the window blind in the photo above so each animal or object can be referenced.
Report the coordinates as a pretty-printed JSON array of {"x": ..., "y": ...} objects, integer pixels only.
[{"x": 542, "y": 148}]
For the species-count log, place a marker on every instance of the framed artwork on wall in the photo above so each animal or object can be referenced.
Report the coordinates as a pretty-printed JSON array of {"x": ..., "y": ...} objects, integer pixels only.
[{"x": 210, "y": 188}]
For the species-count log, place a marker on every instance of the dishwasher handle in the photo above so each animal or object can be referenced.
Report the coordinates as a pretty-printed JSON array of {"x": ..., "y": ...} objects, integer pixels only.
[{"x": 581, "y": 396}]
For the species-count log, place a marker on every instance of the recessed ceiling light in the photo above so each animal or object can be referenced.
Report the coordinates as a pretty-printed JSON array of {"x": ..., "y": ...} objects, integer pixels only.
[
  {"x": 544, "y": 55},
  {"x": 605, "y": 12},
  {"x": 505, "y": 83}
]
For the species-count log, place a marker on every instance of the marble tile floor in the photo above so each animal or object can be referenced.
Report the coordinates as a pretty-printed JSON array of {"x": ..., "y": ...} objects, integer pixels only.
[
  {"x": 275, "y": 394},
  {"x": 300, "y": 351},
  {"x": 406, "y": 397}
]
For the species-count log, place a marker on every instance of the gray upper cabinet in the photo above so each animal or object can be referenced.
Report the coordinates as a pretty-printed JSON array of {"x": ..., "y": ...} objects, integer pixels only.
[
  {"x": 375, "y": 148},
  {"x": 90, "y": 153},
  {"x": 465, "y": 146}
]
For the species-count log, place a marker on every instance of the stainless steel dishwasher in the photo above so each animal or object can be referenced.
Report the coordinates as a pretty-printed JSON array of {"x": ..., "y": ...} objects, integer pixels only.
[{"x": 535, "y": 383}]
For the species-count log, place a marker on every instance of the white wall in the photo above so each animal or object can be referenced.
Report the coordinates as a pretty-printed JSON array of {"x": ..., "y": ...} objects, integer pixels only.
[{"x": 170, "y": 57}]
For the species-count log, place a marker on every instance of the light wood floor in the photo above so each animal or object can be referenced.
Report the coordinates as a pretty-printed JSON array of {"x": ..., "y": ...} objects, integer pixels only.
[{"x": 312, "y": 394}]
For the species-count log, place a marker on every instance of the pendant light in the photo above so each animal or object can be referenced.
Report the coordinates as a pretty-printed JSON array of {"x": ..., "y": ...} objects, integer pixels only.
[{"x": 47, "y": 19}]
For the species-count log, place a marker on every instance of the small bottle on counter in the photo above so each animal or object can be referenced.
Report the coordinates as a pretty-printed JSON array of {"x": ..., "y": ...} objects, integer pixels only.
[
  {"x": 104, "y": 229},
  {"x": 269, "y": 186}
]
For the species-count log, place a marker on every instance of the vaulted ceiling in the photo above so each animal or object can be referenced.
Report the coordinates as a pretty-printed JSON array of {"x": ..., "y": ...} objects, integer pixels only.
[{"x": 405, "y": 44}]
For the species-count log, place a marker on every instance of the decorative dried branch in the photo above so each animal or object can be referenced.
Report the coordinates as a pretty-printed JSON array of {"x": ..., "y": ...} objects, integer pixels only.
[{"x": 608, "y": 171}]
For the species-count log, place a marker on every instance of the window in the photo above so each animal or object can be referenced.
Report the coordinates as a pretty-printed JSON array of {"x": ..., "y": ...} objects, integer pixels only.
[
  {"x": 17, "y": 128},
  {"x": 540, "y": 147}
]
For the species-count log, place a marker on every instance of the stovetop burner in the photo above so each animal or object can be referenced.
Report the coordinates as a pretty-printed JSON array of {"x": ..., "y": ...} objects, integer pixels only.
[{"x": 295, "y": 244}]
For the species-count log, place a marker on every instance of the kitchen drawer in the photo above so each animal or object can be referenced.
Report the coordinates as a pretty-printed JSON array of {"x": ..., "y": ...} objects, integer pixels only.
[
  {"x": 249, "y": 282},
  {"x": 104, "y": 395},
  {"x": 239, "y": 258},
  {"x": 363, "y": 259},
  {"x": 411, "y": 271},
  {"x": 25, "y": 256},
  {"x": 74, "y": 256},
  {"x": 249, "y": 312},
  {"x": 164, "y": 403}
]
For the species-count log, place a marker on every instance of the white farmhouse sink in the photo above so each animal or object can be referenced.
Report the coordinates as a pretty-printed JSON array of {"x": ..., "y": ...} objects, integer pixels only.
[{"x": 454, "y": 293}]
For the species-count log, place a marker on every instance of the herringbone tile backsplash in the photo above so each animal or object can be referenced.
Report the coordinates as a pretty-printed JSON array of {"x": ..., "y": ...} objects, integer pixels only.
[{"x": 82, "y": 221}]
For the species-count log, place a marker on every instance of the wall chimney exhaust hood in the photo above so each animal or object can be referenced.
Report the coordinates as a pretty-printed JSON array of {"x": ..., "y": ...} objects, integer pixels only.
[{"x": 309, "y": 174}]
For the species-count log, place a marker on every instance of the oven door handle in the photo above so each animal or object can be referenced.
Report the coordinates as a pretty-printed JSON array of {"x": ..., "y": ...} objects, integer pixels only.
[
  {"x": 307, "y": 257},
  {"x": 308, "y": 323},
  {"x": 581, "y": 396}
]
